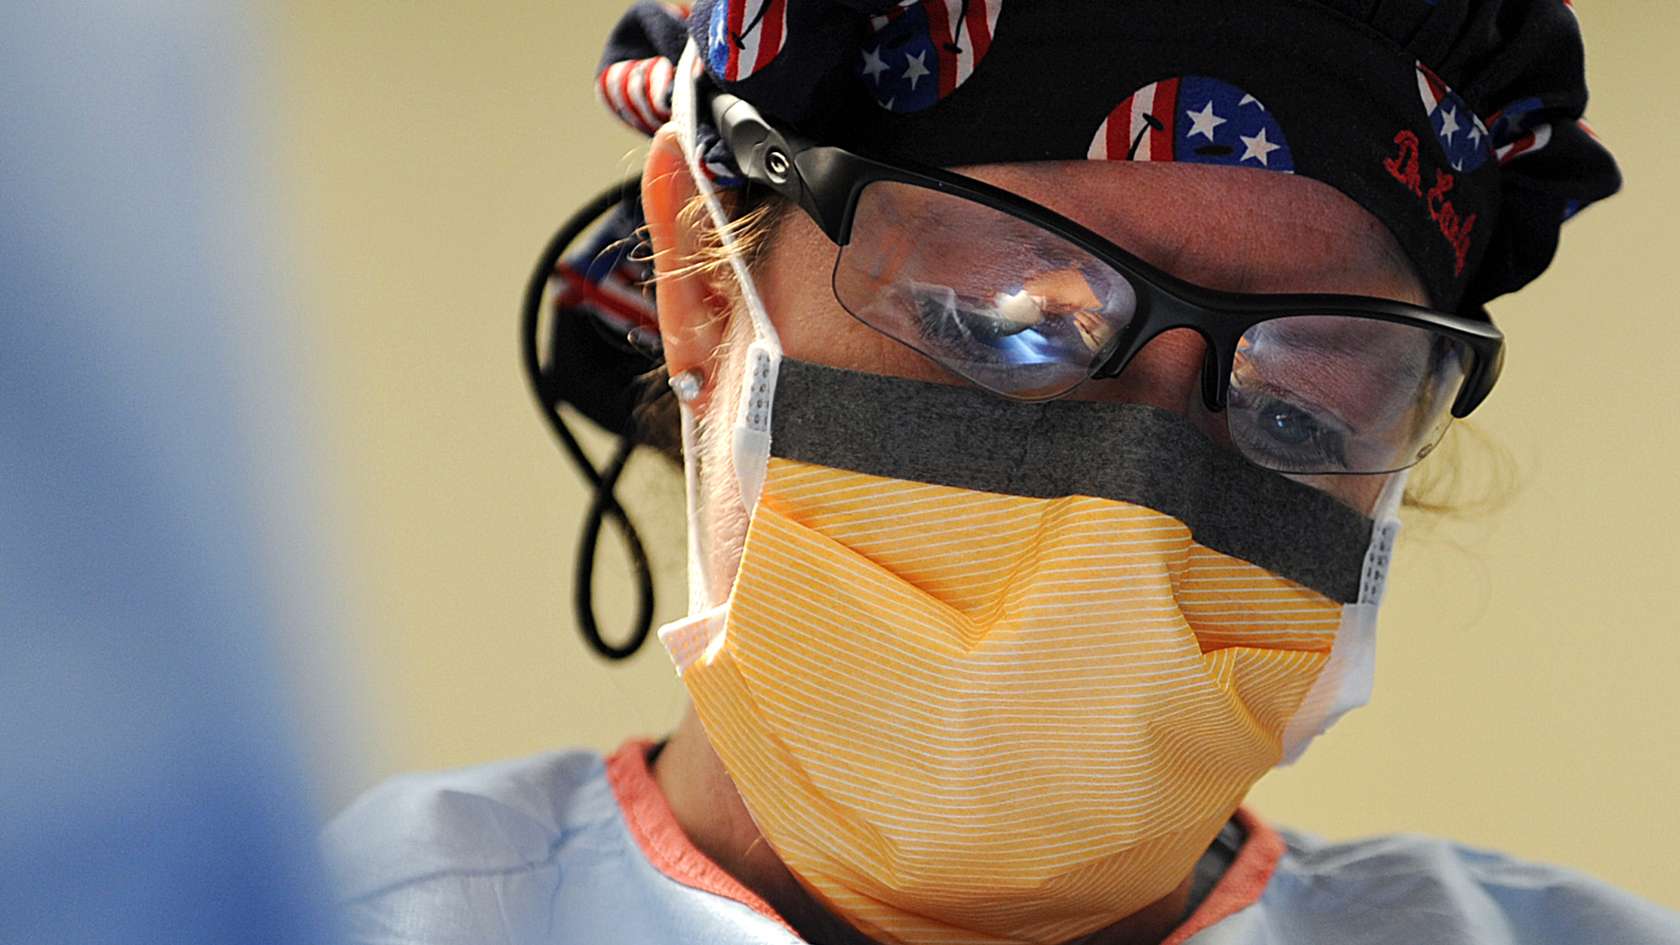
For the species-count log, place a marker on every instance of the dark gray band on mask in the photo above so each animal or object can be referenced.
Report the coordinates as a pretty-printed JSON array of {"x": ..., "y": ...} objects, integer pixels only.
[{"x": 965, "y": 438}]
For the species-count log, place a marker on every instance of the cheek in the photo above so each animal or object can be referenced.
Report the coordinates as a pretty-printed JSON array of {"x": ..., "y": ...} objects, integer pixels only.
[{"x": 1359, "y": 493}]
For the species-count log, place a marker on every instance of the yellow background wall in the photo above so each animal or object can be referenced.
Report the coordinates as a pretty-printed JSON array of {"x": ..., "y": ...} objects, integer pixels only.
[{"x": 1526, "y": 693}]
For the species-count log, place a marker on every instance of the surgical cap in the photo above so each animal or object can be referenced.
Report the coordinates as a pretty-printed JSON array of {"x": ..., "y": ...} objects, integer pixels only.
[{"x": 1457, "y": 123}]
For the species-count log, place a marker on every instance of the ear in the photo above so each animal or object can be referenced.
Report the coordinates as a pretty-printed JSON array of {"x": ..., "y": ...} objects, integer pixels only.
[{"x": 693, "y": 314}]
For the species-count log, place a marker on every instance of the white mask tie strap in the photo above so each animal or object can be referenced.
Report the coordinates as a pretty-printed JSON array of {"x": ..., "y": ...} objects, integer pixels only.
[{"x": 758, "y": 381}]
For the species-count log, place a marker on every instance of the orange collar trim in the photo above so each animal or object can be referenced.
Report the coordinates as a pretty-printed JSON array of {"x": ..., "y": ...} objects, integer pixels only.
[
  {"x": 663, "y": 842},
  {"x": 1244, "y": 880},
  {"x": 662, "y": 839}
]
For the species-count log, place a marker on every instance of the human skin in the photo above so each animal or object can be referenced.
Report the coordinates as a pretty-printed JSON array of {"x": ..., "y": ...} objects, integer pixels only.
[{"x": 1232, "y": 229}]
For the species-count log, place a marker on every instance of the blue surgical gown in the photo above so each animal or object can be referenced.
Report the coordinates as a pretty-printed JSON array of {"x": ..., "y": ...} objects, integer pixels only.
[{"x": 568, "y": 849}]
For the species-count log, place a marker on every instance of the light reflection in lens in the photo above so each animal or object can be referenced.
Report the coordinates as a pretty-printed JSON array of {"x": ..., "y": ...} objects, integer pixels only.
[{"x": 995, "y": 299}]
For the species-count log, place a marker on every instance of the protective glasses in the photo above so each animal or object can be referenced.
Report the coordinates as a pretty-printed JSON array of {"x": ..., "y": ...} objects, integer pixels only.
[{"x": 1028, "y": 304}]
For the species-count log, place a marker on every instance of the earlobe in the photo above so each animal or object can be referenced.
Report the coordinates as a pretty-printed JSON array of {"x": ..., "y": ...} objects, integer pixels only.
[{"x": 692, "y": 313}]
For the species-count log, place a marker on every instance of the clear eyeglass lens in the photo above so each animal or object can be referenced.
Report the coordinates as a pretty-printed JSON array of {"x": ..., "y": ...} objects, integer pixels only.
[
  {"x": 1013, "y": 308},
  {"x": 1339, "y": 394}
]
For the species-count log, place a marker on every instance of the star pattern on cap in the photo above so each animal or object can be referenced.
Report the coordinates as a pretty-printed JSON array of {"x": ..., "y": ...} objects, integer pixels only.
[
  {"x": 1204, "y": 122},
  {"x": 1527, "y": 97},
  {"x": 1450, "y": 114},
  {"x": 915, "y": 67},
  {"x": 873, "y": 64},
  {"x": 1449, "y": 124},
  {"x": 1258, "y": 148}
]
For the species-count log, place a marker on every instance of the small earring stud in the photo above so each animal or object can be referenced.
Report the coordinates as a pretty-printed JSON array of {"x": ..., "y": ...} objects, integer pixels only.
[{"x": 687, "y": 385}]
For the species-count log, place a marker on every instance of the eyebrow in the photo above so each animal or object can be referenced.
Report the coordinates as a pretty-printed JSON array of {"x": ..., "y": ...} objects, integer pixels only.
[{"x": 1393, "y": 369}]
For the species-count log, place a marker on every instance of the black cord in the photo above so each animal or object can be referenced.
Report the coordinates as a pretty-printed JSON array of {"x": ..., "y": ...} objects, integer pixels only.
[
  {"x": 604, "y": 505},
  {"x": 601, "y": 507}
]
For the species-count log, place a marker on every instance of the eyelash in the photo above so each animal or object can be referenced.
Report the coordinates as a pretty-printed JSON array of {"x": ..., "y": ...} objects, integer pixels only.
[{"x": 1327, "y": 443}]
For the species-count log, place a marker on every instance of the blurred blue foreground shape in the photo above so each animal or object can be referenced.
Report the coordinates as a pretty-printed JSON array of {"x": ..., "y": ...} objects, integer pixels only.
[{"x": 149, "y": 787}]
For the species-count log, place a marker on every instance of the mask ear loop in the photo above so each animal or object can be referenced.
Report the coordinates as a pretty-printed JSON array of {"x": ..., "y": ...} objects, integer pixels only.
[
  {"x": 699, "y": 587},
  {"x": 751, "y": 439},
  {"x": 1349, "y": 674},
  {"x": 1373, "y": 579}
]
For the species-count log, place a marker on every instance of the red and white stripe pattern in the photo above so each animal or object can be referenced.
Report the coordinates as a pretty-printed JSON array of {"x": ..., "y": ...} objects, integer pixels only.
[
  {"x": 1434, "y": 92},
  {"x": 752, "y": 32},
  {"x": 1533, "y": 140},
  {"x": 1519, "y": 132},
  {"x": 1430, "y": 86},
  {"x": 1130, "y": 122},
  {"x": 962, "y": 36},
  {"x": 638, "y": 91},
  {"x": 617, "y": 299},
  {"x": 1463, "y": 135}
]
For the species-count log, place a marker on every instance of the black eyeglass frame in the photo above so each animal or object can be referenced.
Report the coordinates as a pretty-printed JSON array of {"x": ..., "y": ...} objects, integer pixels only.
[{"x": 826, "y": 181}]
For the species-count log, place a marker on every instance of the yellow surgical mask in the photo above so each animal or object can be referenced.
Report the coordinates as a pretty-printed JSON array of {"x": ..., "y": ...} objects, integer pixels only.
[{"x": 998, "y": 672}]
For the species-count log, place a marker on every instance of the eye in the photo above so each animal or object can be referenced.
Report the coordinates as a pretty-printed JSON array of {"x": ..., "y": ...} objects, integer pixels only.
[
  {"x": 1288, "y": 424},
  {"x": 1283, "y": 435}
]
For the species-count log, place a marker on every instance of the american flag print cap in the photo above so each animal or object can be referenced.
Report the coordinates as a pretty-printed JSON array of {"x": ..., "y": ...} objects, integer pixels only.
[
  {"x": 1457, "y": 123},
  {"x": 1195, "y": 120}
]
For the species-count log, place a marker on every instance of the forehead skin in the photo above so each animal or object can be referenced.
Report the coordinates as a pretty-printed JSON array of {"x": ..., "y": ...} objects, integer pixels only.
[
  {"x": 1233, "y": 229},
  {"x": 1237, "y": 229}
]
